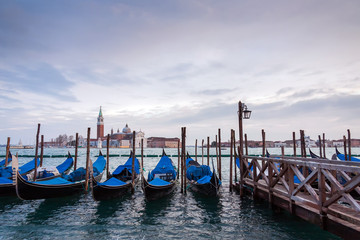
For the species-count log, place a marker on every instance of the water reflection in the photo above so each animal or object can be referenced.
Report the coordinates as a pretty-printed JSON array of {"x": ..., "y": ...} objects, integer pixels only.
[
  {"x": 51, "y": 208},
  {"x": 106, "y": 210}
]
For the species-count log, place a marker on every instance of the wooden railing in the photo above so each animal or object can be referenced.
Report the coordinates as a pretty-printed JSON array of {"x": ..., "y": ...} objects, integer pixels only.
[{"x": 317, "y": 183}]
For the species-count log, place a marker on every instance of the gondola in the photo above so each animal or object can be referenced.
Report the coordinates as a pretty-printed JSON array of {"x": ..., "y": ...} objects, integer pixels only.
[
  {"x": 7, "y": 187},
  {"x": 313, "y": 155},
  {"x": 342, "y": 156},
  {"x": 161, "y": 180},
  {"x": 59, "y": 186},
  {"x": 46, "y": 173},
  {"x": 201, "y": 179},
  {"x": 118, "y": 183}
]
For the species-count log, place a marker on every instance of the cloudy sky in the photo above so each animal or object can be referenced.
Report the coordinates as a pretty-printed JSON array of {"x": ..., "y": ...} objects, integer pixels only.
[{"x": 161, "y": 65}]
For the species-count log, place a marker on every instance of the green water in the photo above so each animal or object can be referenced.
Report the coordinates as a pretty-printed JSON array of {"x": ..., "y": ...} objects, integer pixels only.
[{"x": 132, "y": 217}]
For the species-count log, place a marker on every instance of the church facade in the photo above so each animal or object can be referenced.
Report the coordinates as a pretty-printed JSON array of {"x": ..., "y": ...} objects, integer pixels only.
[{"x": 118, "y": 139}]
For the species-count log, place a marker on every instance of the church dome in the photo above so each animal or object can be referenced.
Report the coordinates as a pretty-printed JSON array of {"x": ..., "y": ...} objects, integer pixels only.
[{"x": 126, "y": 129}]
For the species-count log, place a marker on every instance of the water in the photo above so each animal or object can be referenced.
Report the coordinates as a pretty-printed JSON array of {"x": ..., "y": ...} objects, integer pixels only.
[{"x": 132, "y": 217}]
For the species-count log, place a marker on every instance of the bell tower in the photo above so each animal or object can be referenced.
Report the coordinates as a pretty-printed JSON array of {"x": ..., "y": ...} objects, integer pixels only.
[{"x": 100, "y": 125}]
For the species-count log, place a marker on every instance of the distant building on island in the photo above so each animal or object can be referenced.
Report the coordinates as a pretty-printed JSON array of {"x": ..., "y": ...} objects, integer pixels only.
[
  {"x": 162, "y": 142},
  {"x": 123, "y": 139}
]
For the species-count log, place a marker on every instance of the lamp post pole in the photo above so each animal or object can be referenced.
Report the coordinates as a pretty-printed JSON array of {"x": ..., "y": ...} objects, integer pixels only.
[
  {"x": 243, "y": 113},
  {"x": 240, "y": 113}
]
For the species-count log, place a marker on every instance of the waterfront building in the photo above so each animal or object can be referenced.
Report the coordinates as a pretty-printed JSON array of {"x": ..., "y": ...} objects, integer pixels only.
[
  {"x": 118, "y": 139},
  {"x": 162, "y": 142}
]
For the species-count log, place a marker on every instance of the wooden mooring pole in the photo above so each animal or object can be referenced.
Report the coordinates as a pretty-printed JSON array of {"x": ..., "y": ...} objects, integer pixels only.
[
  {"x": 208, "y": 150},
  {"x": 345, "y": 149},
  {"x": 324, "y": 145},
  {"x": 133, "y": 165},
  {"x": 196, "y": 150},
  {"x": 142, "y": 158},
  {"x": 36, "y": 151},
  {"x": 320, "y": 147},
  {"x": 184, "y": 145},
  {"x": 107, "y": 156},
  {"x": 42, "y": 150},
  {"x": 182, "y": 160},
  {"x": 76, "y": 149},
  {"x": 178, "y": 158},
  {"x": 294, "y": 144},
  {"x": 219, "y": 166},
  {"x": 202, "y": 152},
  {"x": 87, "y": 160},
  {"x": 231, "y": 159},
  {"x": 349, "y": 144},
  {"x": 7, "y": 152}
]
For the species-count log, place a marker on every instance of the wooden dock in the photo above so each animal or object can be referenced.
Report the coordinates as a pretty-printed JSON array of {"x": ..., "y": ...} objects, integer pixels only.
[{"x": 320, "y": 191}]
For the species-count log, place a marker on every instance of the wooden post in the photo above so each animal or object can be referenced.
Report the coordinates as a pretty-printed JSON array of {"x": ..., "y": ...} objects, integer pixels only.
[
  {"x": 107, "y": 156},
  {"x": 322, "y": 198},
  {"x": 234, "y": 146},
  {"x": 133, "y": 166},
  {"x": 290, "y": 174},
  {"x": 324, "y": 145},
  {"x": 282, "y": 151},
  {"x": 142, "y": 157},
  {"x": 349, "y": 144},
  {"x": 294, "y": 144},
  {"x": 219, "y": 133},
  {"x": 42, "y": 150},
  {"x": 36, "y": 151},
  {"x": 320, "y": 147},
  {"x": 263, "y": 150},
  {"x": 196, "y": 150},
  {"x": 202, "y": 152},
  {"x": 345, "y": 149},
  {"x": 217, "y": 152},
  {"x": 87, "y": 160},
  {"x": 7, "y": 151},
  {"x": 178, "y": 158},
  {"x": 231, "y": 159},
  {"x": 303, "y": 152},
  {"x": 208, "y": 150},
  {"x": 240, "y": 114},
  {"x": 263, "y": 143},
  {"x": 76, "y": 149},
  {"x": 182, "y": 160},
  {"x": 184, "y": 145},
  {"x": 246, "y": 145}
]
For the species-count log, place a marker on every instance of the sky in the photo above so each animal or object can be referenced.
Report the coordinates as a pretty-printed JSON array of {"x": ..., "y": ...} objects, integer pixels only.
[{"x": 161, "y": 65}]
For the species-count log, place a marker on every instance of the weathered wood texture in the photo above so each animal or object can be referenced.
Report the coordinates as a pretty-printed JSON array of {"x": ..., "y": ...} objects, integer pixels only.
[{"x": 319, "y": 197}]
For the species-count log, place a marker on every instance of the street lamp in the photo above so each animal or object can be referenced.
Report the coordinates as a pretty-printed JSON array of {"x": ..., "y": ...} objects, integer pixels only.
[
  {"x": 246, "y": 112},
  {"x": 243, "y": 113}
]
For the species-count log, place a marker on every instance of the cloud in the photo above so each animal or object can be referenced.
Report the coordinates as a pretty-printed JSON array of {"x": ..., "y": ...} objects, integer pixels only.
[{"x": 43, "y": 79}]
